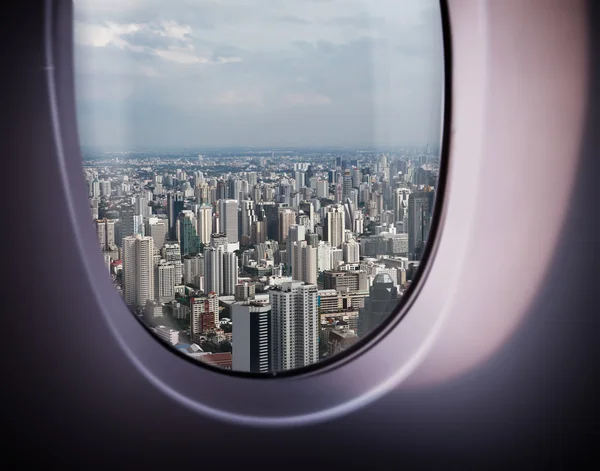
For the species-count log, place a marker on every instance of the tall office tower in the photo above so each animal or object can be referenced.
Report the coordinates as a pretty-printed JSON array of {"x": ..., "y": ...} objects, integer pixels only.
[
  {"x": 105, "y": 188},
  {"x": 105, "y": 228},
  {"x": 138, "y": 270},
  {"x": 174, "y": 207},
  {"x": 247, "y": 217},
  {"x": 324, "y": 256},
  {"x": 213, "y": 270},
  {"x": 359, "y": 223},
  {"x": 204, "y": 221},
  {"x": 285, "y": 193},
  {"x": 346, "y": 185},
  {"x": 269, "y": 212},
  {"x": 230, "y": 273},
  {"x": 94, "y": 207},
  {"x": 256, "y": 194},
  {"x": 158, "y": 230},
  {"x": 202, "y": 194},
  {"x": 186, "y": 233},
  {"x": 193, "y": 268},
  {"x": 418, "y": 223},
  {"x": 309, "y": 264},
  {"x": 141, "y": 206},
  {"x": 165, "y": 279},
  {"x": 299, "y": 176},
  {"x": 349, "y": 213},
  {"x": 402, "y": 166},
  {"x": 379, "y": 202},
  {"x": 252, "y": 178},
  {"x": 228, "y": 219},
  {"x": 400, "y": 203},
  {"x": 351, "y": 251},
  {"x": 295, "y": 258},
  {"x": 322, "y": 189},
  {"x": 287, "y": 217},
  {"x": 309, "y": 211},
  {"x": 381, "y": 302},
  {"x": 138, "y": 225},
  {"x": 204, "y": 315},
  {"x": 268, "y": 194},
  {"x": 259, "y": 232},
  {"x": 334, "y": 225},
  {"x": 245, "y": 291},
  {"x": 296, "y": 233},
  {"x": 127, "y": 221},
  {"x": 356, "y": 177},
  {"x": 312, "y": 239},
  {"x": 251, "y": 336},
  {"x": 95, "y": 188},
  {"x": 295, "y": 326}
]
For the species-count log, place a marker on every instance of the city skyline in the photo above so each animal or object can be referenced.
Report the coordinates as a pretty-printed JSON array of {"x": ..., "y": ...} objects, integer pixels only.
[{"x": 264, "y": 264}]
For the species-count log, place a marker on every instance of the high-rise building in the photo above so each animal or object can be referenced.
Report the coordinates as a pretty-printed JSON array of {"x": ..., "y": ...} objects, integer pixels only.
[
  {"x": 251, "y": 336},
  {"x": 379, "y": 305},
  {"x": 138, "y": 270},
  {"x": 230, "y": 273},
  {"x": 287, "y": 217},
  {"x": 351, "y": 251},
  {"x": 228, "y": 219},
  {"x": 204, "y": 315},
  {"x": 186, "y": 233},
  {"x": 335, "y": 225},
  {"x": 193, "y": 268},
  {"x": 418, "y": 222},
  {"x": 213, "y": 270},
  {"x": 175, "y": 204},
  {"x": 245, "y": 291},
  {"x": 165, "y": 279},
  {"x": 247, "y": 217},
  {"x": 204, "y": 223},
  {"x": 295, "y": 326},
  {"x": 158, "y": 230}
]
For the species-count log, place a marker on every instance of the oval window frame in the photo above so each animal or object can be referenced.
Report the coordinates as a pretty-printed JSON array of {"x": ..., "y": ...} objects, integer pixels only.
[{"x": 304, "y": 395}]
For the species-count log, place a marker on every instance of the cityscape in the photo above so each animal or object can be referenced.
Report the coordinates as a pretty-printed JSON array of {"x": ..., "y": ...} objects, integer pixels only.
[{"x": 262, "y": 260}]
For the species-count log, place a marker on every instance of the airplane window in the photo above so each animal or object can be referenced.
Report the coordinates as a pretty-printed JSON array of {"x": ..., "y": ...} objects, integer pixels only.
[{"x": 261, "y": 174}]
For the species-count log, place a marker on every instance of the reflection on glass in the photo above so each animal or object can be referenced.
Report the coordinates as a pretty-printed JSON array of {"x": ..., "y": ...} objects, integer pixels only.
[{"x": 261, "y": 174}]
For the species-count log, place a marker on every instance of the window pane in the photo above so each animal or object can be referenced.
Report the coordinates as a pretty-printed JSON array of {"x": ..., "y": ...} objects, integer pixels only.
[{"x": 261, "y": 174}]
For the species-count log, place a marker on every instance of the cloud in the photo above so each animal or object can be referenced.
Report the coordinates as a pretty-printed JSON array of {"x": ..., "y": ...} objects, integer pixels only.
[
  {"x": 293, "y": 19},
  {"x": 168, "y": 40},
  {"x": 258, "y": 72},
  {"x": 307, "y": 99},
  {"x": 236, "y": 97}
]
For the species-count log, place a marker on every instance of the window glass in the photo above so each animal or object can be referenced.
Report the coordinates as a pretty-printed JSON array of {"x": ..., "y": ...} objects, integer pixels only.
[{"x": 261, "y": 174}]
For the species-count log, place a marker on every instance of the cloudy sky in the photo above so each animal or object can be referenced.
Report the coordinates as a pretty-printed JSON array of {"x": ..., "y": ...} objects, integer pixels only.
[{"x": 258, "y": 72}]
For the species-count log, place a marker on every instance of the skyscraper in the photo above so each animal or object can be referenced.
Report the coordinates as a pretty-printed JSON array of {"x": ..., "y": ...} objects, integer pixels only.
[
  {"x": 335, "y": 225},
  {"x": 381, "y": 302},
  {"x": 204, "y": 223},
  {"x": 247, "y": 217},
  {"x": 295, "y": 326},
  {"x": 418, "y": 222},
  {"x": 213, "y": 270},
  {"x": 228, "y": 219},
  {"x": 138, "y": 270},
  {"x": 287, "y": 217},
  {"x": 175, "y": 205},
  {"x": 251, "y": 333},
  {"x": 230, "y": 273}
]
